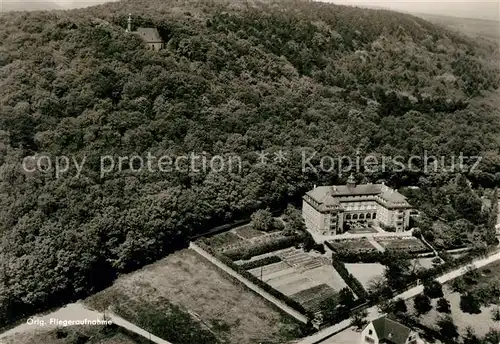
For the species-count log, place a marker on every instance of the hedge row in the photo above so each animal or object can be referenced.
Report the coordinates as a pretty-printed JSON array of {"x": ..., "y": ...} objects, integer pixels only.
[
  {"x": 356, "y": 257},
  {"x": 349, "y": 256},
  {"x": 245, "y": 253},
  {"x": 288, "y": 301},
  {"x": 261, "y": 262},
  {"x": 351, "y": 281}
]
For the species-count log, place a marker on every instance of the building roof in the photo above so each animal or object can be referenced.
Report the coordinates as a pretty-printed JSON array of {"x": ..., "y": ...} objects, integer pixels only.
[
  {"x": 323, "y": 195},
  {"x": 391, "y": 331},
  {"x": 334, "y": 195},
  {"x": 393, "y": 196},
  {"x": 362, "y": 189},
  {"x": 149, "y": 35}
]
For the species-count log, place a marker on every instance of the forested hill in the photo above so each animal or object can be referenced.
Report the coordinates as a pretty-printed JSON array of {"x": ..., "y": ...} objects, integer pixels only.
[{"x": 234, "y": 79}]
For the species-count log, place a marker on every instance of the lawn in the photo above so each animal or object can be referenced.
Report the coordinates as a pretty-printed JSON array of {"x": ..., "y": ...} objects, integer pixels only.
[
  {"x": 348, "y": 336},
  {"x": 489, "y": 275},
  {"x": 481, "y": 323},
  {"x": 248, "y": 232},
  {"x": 366, "y": 272},
  {"x": 481, "y": 284},
  {"x": 224, "y": 241},
  {"x": 185, "y": 299},
  {"x": 423, "y": 263}
]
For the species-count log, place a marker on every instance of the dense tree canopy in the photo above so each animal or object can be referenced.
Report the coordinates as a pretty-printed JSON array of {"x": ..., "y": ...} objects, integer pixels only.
[{"x": 235, "y": 79}]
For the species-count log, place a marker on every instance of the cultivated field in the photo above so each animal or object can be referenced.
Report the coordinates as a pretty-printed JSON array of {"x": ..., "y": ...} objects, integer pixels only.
[
  {"x": 185, "y": 299},
  {"x": 359, "y": 245},
  {"x": 242, "y": 238},
  {"x": 304, "y": 277},
  {"x": 407, "y": 244},
  {"x": 470, "y": 26},
  {"x": 365, "y": 273},
  {"x": 312, "y": 298}
]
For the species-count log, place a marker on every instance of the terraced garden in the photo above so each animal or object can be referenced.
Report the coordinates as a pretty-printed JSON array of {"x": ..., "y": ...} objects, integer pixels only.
[
  {"x": 303, "y": 277},
  {"x": 312, "y": 298}
]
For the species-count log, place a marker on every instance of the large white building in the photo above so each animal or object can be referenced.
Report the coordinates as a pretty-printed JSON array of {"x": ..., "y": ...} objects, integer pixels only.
[{"x": 330, "y": 210}]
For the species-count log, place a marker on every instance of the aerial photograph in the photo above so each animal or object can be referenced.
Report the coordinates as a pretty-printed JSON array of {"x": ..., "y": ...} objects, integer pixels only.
[{"x": 249, "y": 172}]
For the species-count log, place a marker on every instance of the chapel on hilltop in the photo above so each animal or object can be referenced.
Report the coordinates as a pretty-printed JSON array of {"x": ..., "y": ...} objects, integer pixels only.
[{"x": 149, "y": 35}]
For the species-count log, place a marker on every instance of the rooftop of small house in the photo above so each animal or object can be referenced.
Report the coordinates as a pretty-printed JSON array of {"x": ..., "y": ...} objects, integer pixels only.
[{"x": 390, "y": 331}]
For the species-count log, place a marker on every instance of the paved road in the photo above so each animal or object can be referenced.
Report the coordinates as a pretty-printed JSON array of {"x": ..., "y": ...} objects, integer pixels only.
[
  {"x": 74, "y": 312},
  {"x": 373, "y": 311},
  {"x": 249, "y": 284}
]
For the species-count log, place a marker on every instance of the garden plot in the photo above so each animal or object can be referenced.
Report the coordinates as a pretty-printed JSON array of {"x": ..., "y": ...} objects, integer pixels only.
[
  {"x": 366, "y": 272},
  {"x": 299, "y": 272},
  {"x": 270, "y": 272},
  {"x": 289, "y": 285},
  {"x": 312, "y": 298},
  {"x": 243, "y": 238},
  {"x": 409, "y": 244},
  {"x": 358, "y": 245}
]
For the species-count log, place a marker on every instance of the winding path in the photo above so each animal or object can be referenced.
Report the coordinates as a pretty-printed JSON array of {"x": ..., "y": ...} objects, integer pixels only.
[{"x": 75, "y": 312}]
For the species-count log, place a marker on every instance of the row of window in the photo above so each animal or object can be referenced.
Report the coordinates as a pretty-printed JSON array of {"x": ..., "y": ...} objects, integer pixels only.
[{"x": 360, "y": 216}]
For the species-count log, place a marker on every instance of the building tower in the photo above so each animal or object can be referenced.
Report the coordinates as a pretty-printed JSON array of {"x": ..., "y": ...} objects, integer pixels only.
[{"x": 129, "y": 23}]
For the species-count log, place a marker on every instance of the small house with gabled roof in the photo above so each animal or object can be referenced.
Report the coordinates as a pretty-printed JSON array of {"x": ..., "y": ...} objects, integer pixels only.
[{"x": 386, "y": 331}]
